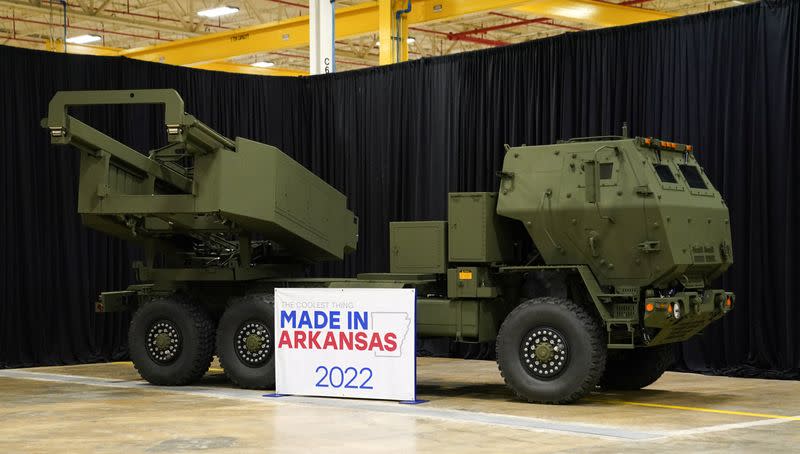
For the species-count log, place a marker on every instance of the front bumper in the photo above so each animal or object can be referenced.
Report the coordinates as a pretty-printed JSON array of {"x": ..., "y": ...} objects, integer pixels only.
[{"x": 683, "y": 315}]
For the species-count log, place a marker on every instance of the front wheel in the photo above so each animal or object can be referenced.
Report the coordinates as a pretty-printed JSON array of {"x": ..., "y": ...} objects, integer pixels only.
[
  {"x": 246, "y": 344},
  {"x": 551, "y": 350}
]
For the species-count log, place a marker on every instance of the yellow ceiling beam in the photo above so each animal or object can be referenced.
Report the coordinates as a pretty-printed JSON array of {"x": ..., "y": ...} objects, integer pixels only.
[
  {"x": 592, "y": 12},
  {"x": 292, "y": 33},
  {"x": 247, "y": 69},
  {"x": 57, "y": 46},
  {"x": 285, "y": 34},
  {"x": 425, "y": 11}
]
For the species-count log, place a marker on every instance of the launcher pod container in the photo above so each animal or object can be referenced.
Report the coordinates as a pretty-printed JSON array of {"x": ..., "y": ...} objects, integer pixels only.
[
  {"x": 215, "y": 217},
  {"x": 628, "y": 235}
]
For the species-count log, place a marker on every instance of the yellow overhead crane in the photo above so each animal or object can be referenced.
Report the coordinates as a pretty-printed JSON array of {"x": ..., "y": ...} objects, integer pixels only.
[
  {"x": 360, "y": 20},
  {"x": 210, "y": 50},
  {"x": 591, "y": 12},
  {"x": 58, "y": 46}
]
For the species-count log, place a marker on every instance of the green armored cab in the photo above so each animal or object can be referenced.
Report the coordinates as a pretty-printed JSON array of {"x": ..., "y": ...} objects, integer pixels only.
[{"x": 628, "y": 236}]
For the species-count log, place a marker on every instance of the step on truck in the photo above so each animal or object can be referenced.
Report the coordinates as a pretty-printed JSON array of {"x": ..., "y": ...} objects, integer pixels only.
[{"x": 626, "y": 238}]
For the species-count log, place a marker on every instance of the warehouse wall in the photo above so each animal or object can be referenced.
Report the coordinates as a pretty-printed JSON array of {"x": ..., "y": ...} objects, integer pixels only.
[{"x": 396, "y": 139}]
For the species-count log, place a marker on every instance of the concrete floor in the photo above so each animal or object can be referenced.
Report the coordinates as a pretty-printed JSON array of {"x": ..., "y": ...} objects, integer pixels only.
[{"x": 107, "y": 408}]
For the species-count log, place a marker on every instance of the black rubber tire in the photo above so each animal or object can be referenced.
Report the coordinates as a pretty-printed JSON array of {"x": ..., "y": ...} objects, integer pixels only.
[
  {"x": 629, "y": 370},
  {"x": 583, "y": 334},
  {"x": 258, "y": 307},
  {"x": 197, "y": 350}
]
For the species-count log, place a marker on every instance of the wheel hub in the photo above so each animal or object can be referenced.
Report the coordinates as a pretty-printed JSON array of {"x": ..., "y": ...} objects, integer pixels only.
[
  {"x": 544, "y": 353},
  {"x": 164, "y": 342},
  {"x": 252, "y": 341}
]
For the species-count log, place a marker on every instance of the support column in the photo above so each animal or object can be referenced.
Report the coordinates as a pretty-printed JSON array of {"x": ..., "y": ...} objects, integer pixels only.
[
  {"x": 402, "y": 32},
  {"x": 321, "y": 39},
  {"x": 385, "y": 28},
  {"x": 393, "y": 30}
]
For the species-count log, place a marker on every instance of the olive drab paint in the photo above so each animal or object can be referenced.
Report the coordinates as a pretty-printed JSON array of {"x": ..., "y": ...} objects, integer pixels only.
[
  {"x": 625, "y": 210},
  {"x": 629, "y": 229},
  {"x": 202, "y": 183}
]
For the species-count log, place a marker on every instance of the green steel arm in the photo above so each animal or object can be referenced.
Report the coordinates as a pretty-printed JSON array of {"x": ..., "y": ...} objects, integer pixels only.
[
  {"x": 181, "y": 127},
  {"x": 174, "y": 116}
]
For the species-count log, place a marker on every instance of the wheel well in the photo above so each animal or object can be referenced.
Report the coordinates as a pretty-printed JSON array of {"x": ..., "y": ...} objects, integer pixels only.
[
  {"x": 557, "y": 283},
  {"x": 213, "y": 297},
  {"x": 541, "y": 283},
  {"x": 560, "y": 283}
]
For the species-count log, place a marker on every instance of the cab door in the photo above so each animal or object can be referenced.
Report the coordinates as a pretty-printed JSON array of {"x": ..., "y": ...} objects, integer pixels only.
[{"x": 614, "y": 215}]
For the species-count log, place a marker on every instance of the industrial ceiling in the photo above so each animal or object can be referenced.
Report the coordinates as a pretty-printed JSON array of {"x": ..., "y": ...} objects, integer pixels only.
[{"x": 274, "y": 33}]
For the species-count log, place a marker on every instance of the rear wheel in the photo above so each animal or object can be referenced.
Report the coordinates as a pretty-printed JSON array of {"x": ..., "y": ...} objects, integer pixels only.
[
  {"x": 637, "y": 368},
  {"x": 246, "y": 344},
  {"x": 551, "y": 350},
  {"x": 171, "y": 341}
]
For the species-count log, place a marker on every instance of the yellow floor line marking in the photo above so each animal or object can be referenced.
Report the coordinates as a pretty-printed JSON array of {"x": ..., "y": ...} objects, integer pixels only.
[
  {"x": 626, "y": 402},
  {"x": 701, "y": 409}
]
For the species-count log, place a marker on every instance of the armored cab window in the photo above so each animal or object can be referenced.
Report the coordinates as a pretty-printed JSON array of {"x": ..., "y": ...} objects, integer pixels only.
[
  {"x": 606, "y": 170},
  {"x": 664, "y": 173},
  {"x": 692, "y": 175}
]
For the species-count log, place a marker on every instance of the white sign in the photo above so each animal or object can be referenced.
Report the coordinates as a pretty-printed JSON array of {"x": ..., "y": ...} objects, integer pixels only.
[{"x": 349, "y": 342}]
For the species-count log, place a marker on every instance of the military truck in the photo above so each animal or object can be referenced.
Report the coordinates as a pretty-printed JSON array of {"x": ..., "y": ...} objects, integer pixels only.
[{"x": 627, "y": 236}]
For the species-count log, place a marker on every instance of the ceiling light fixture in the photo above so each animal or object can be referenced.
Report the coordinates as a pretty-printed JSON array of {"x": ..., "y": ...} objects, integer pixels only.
[
  {"x": 409, "y": 40},
  {"x": 576, "y": 12},
  {"x": 219, "y": 11},
  {"x": 84, "y": 39},
  {"x": 263, "y": 64}
]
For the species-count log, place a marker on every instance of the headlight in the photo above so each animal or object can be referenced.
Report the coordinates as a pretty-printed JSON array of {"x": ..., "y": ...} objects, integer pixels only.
[{"x": 676, "y": 310}]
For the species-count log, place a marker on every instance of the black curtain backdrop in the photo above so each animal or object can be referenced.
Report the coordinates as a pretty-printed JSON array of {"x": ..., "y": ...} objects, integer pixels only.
[{"x": 397, "y": 139}]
